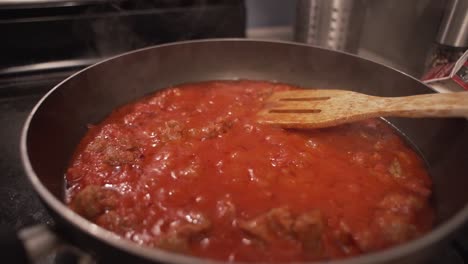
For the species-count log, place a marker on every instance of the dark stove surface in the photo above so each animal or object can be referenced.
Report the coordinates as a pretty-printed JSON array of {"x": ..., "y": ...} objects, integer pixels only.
[{"x": 20, "y": 207}]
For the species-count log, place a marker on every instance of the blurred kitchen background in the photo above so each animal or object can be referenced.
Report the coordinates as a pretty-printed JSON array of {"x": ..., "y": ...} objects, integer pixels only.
[
  {"x": 57, "y": 37},
  {"x": 403, "y": 34}
]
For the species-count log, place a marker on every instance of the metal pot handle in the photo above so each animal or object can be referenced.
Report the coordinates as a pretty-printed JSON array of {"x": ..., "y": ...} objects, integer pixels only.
[
  {"x": 38, "y": 241},
  {"x": 33, "y": 243}
]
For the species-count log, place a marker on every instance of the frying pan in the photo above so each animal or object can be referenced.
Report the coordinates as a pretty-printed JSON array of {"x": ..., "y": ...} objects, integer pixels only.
[{"x": 60, "y": 119}]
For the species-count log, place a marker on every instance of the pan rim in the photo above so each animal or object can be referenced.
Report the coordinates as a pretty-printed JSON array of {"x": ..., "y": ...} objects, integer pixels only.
[{"x": 394, "y": 253}]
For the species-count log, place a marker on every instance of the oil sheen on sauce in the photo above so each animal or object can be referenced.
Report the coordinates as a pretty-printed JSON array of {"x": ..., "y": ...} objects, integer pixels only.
[{"x": 188, "y": 169}]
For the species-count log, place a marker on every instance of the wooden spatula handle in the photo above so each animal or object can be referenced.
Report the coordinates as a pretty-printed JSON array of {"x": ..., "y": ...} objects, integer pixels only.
[{"x": 426, "y": 105}]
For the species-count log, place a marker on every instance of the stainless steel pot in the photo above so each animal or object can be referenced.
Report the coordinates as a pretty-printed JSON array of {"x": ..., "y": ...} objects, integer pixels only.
[{"x": 59, "y": 120}]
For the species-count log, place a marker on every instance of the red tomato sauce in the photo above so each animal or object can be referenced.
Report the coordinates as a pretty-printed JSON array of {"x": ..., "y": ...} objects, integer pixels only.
[{"x": 188, "y": 169}]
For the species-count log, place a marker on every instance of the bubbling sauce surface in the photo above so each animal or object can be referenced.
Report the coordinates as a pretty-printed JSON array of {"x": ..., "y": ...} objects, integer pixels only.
[{"x": 188, "y": 169}]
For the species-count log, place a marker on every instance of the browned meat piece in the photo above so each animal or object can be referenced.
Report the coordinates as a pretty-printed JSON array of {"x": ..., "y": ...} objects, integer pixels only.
[
  {"x": 118, "y": 223},
  {"x": 111, "y": 220},
  {"x": 171, "y": 131},
  {"x": 281, "y": 221},
  {"x": 395, "y": 169},
  {"x": 393, "y": 223},
  {"x": 225, "y": 208},
  {"x": 97, "y": 145},
  {"x": 308, "y": 228},
  {"x": 416, "y": 186},
  {"x": 192, "y": 169},
  {"x": 395, "y": 228},
  {"x": 366, "y": 240},
  {"x": 116, "y": 150},
  {"x": 257, "y": 227},
  {"x": 174, "y": 243},
  {"x": 179, "y": 235},
  {"x": 344, "y": 240},
  {"x": 404, "y": 157},
  {"x": 379, "y": 145},
  {"x": 213, "y": 129},
  {"x": 116, "y": 155},
  {"x": 197, "y": 224},
  {"x": 402, "y": 203},
  {"x": 93, "y": 201},
  {"x": 360, "y": 158},
  {"x": 277, "y": 222},
  {"x": 219, "y": 127}
]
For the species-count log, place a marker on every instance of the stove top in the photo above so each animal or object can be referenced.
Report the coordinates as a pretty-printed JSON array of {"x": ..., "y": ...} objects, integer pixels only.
[{"x": 19, "y": 207}]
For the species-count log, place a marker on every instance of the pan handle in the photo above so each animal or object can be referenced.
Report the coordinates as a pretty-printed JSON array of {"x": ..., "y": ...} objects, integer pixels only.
[
  {"x": 38, "y": 241},
  {"x": 33, "y": 243}
]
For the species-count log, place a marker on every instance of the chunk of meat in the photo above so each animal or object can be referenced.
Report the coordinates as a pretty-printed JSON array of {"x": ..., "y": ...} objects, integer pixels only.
[
  {"x": 344, "y": 239},
  {"x": 225, "y": 208},
  {"x": 402, "y": 203},
  {"x": 395, "y": 169},
  {"x": 116, "y": 222},
  {"x": 196, "y": 223},
  {"x": 366, "y": 240},
  {"x": 116, "y": 155},
  {"x": 308, "y": 228},
  {"x": 280, "y": 223},
  {"x": 268, "y": 226},
  {"x": 93, "y": 201},
  {"x": 213, "y": 129},
  {"x": 175, "y": 244},
  {"x": 418, "y": 187},
  {"x": 404, "y": 157},
  {"x": 360, "y": 158},
  {"x": 257, "y": 228},
  {"x": 395, "y": 228},
  {"x": 171, "y": 131},
  {"x": 179, "y": 235},
  {"x": 111, "y": 219},
  {"x": 219, "y": 127},
  {"x": 116, "y": 150},
  {"x": 387, "y": 228},
  {"x": 394, "y": 222},
  {"x": 188, "y": 168}
]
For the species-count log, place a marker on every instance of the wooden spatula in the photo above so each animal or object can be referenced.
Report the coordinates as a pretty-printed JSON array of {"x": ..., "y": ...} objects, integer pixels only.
[{"x": 323, "y": 108}]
